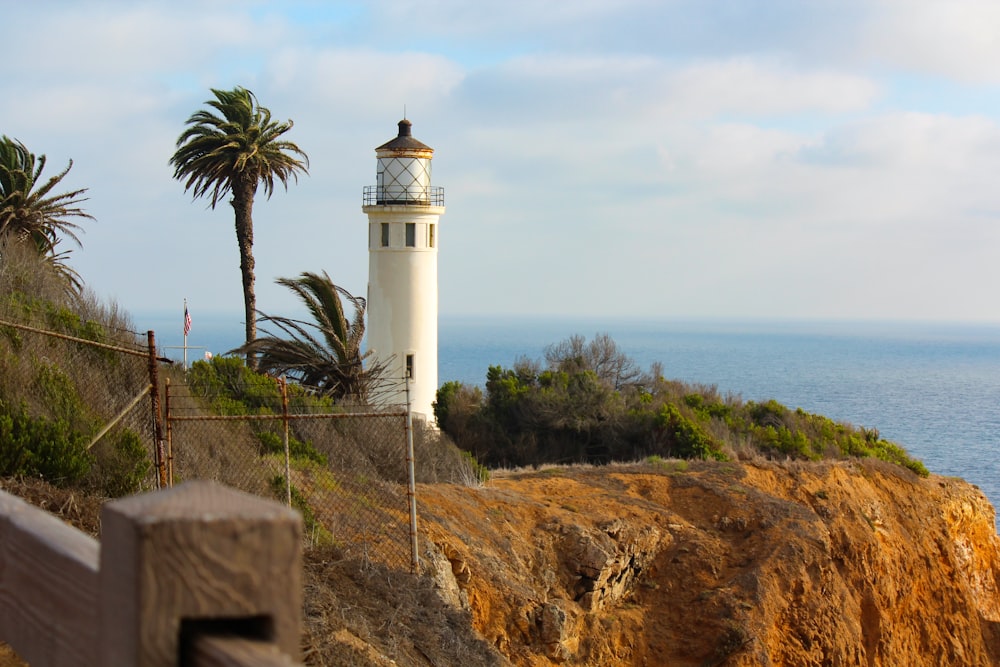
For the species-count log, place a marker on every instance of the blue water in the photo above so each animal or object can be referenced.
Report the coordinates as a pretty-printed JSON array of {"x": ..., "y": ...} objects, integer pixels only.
[{"x": 932, "y": 388}]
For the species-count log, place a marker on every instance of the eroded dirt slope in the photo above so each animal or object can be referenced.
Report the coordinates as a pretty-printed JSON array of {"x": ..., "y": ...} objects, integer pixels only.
[
  {"x": 847, "y": 563},
  {"x": 739, "y": 564}
]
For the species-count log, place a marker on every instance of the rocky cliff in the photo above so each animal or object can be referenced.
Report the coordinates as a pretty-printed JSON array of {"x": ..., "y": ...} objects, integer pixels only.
[
  {"x": 757, "y": 563},
  {"x": 664, "y": 564}
]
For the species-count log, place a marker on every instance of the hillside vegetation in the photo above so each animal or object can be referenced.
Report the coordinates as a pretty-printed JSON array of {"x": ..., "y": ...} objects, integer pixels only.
[
  {"x": 56, "y": 394},
  {"x": 589, "y": 403}
]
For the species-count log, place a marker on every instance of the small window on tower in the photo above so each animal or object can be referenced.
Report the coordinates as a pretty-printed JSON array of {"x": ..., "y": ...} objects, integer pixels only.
[
  {"x": 409, "y": 366},
  {"x": 411, "y": 235},
  {"x": 430, "y": 235},
  {"x": 385, "y": 234}
]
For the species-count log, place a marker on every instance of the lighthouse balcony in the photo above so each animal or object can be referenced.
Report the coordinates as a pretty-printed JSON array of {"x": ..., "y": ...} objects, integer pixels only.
[{"x": 375, "y": 195}]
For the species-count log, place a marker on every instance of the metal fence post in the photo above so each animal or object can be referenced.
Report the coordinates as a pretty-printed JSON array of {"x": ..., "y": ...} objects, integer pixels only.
[
  {"x": 154, "y": 396},
  {"x": 411, "y": 491},
  {"x": 283, "y": 383},
  {"x": 170, "y": 441}
]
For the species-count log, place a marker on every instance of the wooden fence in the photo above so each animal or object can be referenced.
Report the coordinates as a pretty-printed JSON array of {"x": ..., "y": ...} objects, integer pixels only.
[{"x": 197, "y": 575}]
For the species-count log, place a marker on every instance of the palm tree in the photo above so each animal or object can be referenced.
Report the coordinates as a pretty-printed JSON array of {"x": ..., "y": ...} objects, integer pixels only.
[
  {"x": 324, "y": 354},
  {"x": 30, "y": 214},
  {"x": 232, "y": 152}
]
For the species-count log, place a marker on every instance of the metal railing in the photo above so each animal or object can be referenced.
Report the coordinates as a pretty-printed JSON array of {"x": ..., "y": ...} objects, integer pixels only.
[{"x": 375, "y": 195}]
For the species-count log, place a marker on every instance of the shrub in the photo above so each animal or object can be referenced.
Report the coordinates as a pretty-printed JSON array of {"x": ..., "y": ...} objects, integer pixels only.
[
  {"x": 233, "y": 389},
  {"x": 314, "y": 530},
  {"x": 687, "y": 438},
  {"x": 121, "y": 465},
  {"x": 273, "y": 443},
  {"x": 41, "y": 447},
  {"x": 570, "y": 412}
]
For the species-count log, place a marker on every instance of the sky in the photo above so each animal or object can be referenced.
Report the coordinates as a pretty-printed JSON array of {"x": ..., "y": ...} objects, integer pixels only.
[{"x": 642, "y": 159}]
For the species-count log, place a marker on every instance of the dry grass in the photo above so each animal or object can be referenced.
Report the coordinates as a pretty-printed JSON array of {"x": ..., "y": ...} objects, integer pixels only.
[
  {"x": 357, "y": 613},
  {"x": 360, "y": 613}
]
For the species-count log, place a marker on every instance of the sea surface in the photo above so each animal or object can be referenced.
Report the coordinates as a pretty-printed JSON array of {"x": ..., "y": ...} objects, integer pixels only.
[{"x": 932, "y": 388}]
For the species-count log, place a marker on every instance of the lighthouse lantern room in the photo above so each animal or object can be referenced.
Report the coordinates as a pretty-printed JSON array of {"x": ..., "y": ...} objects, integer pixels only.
[{"x": 403, "y": 209}]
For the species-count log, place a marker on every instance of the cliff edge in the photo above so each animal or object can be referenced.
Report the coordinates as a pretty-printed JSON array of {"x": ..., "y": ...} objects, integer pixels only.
[{"x": 675, "y": 563}]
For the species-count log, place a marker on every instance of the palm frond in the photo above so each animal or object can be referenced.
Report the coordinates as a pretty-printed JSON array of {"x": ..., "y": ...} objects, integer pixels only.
[
  {"x": 324, "y": 353},
  {"x": 32, "y": 213}
]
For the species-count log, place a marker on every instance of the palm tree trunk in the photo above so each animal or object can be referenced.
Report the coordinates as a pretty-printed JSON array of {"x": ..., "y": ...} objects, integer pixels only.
[{"x": 243, "y": 192}]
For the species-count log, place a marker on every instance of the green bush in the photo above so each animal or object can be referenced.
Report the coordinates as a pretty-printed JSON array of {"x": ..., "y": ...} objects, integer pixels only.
[
  {"x": 686, "y": 437},
  {"x": 41, "y": 447},
  {"x": 313, "y": 528},
  {"x": 481, "y": 472},
  {"x": 273, "y": 443},
  {"x": 121, "y": 465},
  {"x": 572, "y": 412},
  {"x": 233, "y": 389}
]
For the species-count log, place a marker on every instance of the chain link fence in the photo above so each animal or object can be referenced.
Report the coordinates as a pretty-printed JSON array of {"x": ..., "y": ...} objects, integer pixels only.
[
  {"x": 78, "y": 404},
  {"x": 345, "y": 471},
  {"x": 143, "y": 426}
]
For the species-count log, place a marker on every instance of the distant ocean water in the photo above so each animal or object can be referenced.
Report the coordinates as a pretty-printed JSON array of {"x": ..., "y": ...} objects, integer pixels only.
[{"x": 932, "y": 388}]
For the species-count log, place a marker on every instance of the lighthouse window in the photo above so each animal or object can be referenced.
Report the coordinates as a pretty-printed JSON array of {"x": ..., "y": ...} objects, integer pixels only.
[
  {"x": 409, "y": 366},
  {"x": 385, "y": 234},
  {"x": 430, "y": 235},
  {"x": 411, "y": 235}
]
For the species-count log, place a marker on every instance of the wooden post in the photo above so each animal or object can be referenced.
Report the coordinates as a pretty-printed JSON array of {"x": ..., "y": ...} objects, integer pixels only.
[
  {"x": 197, "y": 560},
  {"x": 48, "y": 587}
]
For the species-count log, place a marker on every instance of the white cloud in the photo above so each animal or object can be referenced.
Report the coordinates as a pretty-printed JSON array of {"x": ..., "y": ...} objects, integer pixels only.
[
  {"x": 950, "y": 38},
  {"x": 749, "y": 87},
  {"x": 357, "y": 82}
]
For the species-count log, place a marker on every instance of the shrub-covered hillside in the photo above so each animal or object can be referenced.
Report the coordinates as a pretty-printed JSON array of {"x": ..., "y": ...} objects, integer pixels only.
[
  {"x": 589, "y": 403},
  {"x": 56, "y": 395}
]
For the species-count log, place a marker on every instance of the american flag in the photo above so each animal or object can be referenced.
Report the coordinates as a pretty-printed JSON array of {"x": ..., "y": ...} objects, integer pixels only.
[{"x": 187, "y": 321}]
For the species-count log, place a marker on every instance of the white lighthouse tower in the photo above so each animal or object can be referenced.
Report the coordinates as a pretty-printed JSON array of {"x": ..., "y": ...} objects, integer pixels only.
[{"x": 403, "y": 211}]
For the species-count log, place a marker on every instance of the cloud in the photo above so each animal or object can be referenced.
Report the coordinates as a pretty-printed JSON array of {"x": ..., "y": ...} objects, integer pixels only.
[
  {"x": 751, "y": 87},
  {"x": 958, "y": 39},
  {"x": 676, "y": 157},
  {"x": 358, "y": 82}
]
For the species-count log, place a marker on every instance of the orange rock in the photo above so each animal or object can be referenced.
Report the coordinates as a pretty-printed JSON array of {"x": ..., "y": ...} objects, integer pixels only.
[{"x": 849, "y": 563}]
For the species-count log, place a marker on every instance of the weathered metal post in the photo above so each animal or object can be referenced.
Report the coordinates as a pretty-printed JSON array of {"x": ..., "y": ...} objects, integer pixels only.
[
  {"x": 170, "y": 434},
  {"x": 411, "y": 491},
  {"x": 283, "y": 383},
  {"x": 154, "y": 399}
]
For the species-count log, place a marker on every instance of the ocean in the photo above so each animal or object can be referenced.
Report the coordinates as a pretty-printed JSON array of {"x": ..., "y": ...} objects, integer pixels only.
[{"x": 932, "y": 388}]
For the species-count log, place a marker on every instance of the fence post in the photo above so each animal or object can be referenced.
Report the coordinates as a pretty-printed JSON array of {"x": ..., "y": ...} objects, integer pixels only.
[
  {"x": 196, "y": 561},
  {"x": 48, "y": 587},
  {"x": 154, "y": 399},
  {"x": 283, "y": 383},
  {"x": 411, "y": 486},
  {"x": 170, "y": 435}
]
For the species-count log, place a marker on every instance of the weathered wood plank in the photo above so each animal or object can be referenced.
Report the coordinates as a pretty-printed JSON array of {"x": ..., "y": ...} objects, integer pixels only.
[
  {"x": 237, "y": 652},
  {"x": 48, "y": 587},
  {"x": 198, "y": 551}
]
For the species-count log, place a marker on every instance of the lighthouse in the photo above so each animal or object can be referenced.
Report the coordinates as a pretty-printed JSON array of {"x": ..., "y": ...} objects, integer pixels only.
[{"x": 403, "y": 209}]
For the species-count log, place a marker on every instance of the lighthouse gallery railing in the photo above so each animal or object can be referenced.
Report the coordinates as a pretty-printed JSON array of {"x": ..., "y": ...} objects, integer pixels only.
[{"x": 375, "y": 195}]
